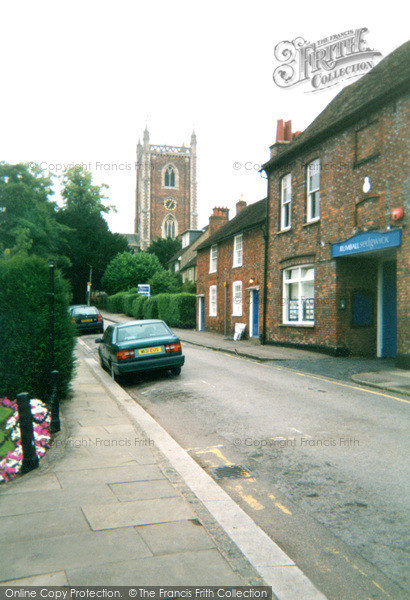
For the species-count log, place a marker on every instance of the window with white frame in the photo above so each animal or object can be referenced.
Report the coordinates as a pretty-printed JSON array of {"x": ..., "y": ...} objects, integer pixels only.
[
  {"x": 298, "y": 295},
  {"x": 238, "y": 251},
  {"x": 237, "y": 299},
  {"x": 313, "y": 191},
  {"x": 212, "y": 301},
  {"x": 286, "y": 202},
  {"x": 213, "y": 258}
]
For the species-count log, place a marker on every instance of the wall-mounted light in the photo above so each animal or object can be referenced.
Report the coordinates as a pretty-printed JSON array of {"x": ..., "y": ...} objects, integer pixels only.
[
  {"x": 342, "y": 303},
  {"x": 252, "y": 280},
  {"x": 367, "y": 185}
]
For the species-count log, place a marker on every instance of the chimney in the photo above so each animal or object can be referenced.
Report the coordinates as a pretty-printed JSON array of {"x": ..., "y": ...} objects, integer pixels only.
[
  {"x": 219, "y": 217},
  {"x": 283, "y": 137},
  {"x": 240, "y": 205}
]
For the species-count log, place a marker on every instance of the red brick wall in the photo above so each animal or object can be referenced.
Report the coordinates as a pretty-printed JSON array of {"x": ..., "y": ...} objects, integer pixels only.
[
  {"x": 253, "y": 250},
  {"x": 345, "y": 211}
]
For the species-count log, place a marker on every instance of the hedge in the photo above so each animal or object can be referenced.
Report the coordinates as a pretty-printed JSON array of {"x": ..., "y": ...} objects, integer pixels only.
[
  {"x": 24, "y": 329},
  {"x": 177, "y": 310}
]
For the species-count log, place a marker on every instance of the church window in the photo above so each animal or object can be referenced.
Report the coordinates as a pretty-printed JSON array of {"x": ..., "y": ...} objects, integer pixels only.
[
  {"x": 170, "y": 177},
  {"x": 169, "y": 230}
]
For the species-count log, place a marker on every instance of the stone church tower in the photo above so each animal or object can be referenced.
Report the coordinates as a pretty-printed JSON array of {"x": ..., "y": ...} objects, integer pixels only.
[{"x": 166, "y": 194}]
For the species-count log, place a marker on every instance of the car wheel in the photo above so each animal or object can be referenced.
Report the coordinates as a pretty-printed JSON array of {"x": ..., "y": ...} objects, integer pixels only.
[
  {"x": 114, "y": 375},
  {"x": 176, "y": 371},
  {"x": 102, "y": 365}
]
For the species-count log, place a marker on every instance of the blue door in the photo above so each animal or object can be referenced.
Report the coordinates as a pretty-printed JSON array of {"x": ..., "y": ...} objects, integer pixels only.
[
  {"x": 389, "y": 310},
  {"x": 255, "y": 313},
  {"x": 201, "y": 313}
]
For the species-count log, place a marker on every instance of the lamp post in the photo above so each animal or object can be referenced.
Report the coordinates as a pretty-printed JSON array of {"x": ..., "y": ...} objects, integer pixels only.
[{"x": 51, "y": 270}]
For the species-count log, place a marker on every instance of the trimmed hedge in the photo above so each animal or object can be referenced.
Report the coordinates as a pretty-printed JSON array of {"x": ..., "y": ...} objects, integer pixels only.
[
  {"x": 24, "y": 329},
  {"x": 177, "y": 310}
]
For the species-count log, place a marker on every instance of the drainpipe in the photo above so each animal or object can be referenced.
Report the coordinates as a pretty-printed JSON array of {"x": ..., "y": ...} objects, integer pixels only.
[
  {"x": 265, "y": 269},
  {"x": 226, "y": 309}
]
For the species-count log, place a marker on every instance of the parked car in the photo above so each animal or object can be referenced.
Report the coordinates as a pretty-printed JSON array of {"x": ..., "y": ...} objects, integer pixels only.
[
  {"x": 138, "y": 346},
  {"x": 86, "y": 318}
]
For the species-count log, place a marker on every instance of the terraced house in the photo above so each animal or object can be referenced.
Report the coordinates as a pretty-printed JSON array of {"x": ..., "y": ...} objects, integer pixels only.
[
  {"x": 338, "y": 260},
  {"x": 337, "y": 253}
]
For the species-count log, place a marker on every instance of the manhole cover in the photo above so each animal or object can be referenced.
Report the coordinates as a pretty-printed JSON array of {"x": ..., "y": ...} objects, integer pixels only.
[{"x": 233, "y": 471}]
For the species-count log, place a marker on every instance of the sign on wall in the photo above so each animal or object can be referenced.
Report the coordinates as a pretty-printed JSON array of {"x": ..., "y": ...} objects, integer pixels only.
[{"x": 368, "y": 241}]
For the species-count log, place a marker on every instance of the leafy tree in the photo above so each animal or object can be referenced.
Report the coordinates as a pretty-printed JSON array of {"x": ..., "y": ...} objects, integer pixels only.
[
  {"x": 164, "y": 249},
  {"x": 163, "y": 282},
  {"x": 28, "y": 223},
  {"x": 127, "y": 270},
  {"x": 90, "y": 243}
]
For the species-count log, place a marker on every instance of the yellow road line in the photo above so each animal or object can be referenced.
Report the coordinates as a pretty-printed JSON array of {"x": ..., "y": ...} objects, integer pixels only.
[{"x": 279, "y": 505}]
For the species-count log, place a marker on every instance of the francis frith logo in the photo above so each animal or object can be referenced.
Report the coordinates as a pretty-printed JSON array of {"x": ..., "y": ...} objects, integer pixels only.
[{"x": 324, "y": 63}]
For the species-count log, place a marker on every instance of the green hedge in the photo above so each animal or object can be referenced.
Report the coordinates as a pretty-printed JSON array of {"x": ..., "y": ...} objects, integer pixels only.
[
  {"x": 115, "y": 302},
  {"x": 177, "y": 310},
  {"x": 24, "y": 329}
]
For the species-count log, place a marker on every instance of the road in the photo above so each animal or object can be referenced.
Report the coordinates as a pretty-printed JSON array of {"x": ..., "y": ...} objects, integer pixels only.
[{"x": 320, "y": 465}]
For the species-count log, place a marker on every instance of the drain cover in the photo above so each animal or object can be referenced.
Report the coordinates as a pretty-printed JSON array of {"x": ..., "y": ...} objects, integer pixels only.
[{"x": 233, "y": 471}]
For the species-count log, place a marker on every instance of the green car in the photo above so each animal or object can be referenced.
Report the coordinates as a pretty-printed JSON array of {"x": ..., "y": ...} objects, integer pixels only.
[{"x": 140, "y": 346}]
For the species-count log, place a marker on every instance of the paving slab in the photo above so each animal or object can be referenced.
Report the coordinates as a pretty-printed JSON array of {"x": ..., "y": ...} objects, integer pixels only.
[
  {"x": 57, "y": 578},
  {"x": 38, "y": 481},
  {"x": 70, "y": 551},
  {"x": 143, "y": 490},
  {"x": 32, "y": 526},
  {"x": 131, "y": 472},
  {"x": 38, "y": 502},
  {"x": 140, "y": 512},
  {"x": 203, "y": 567},
  {"x": 179, "y": 536}
]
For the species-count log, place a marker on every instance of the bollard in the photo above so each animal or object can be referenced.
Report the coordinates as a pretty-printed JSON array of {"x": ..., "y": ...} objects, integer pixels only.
[
  {"x": 30, "y": 458},
  {"x": 54, "y": 403}
]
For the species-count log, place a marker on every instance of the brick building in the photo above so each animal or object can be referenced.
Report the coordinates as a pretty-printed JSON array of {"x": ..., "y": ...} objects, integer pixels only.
[
  {"x": 338, "y": 259},
  {"x": 230, "y": 270},
  {"x": 166, "y": 190}
]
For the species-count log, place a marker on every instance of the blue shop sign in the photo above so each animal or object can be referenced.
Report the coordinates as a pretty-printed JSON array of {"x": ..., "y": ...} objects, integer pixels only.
[{"x": 368, "y": 241}]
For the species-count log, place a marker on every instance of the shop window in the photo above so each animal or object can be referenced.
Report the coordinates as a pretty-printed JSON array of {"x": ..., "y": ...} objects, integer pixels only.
[
  {"x": 362, "y": 308},
  {"x": 238, "y": 251},
  {"x": 313, "y": 191},
  {"x": 286, "y": 202},
  {"x": 213, "y": 259},
  {"x": 212, "y": 301},
  {"x": 298, "y": 295},
  {"x": 237, "y": 299}
]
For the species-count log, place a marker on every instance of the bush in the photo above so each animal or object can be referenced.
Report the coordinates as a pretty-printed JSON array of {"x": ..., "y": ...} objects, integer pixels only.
[
  {"x": 150, "y": 309},
  {"x": 177, "y": 310},
  {"x": 24, "y": 329},
  {"x": 128, "y": 302},
  {"x": 138, "y": 307},
  {"x": 127, "y": 270},
  {"x": 164, "y": 282},
  {"x": 189, "y": 287},
  {"x": 115, "y": 303}
]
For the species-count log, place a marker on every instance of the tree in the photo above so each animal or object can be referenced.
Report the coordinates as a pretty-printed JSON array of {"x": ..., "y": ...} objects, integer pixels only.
[
  {"x": 165, "y": 282},
  {"x": 127, "y": 270},
  {"x": 164, "y": 249},
  {"x": 90, "y": 244},
  {"x": 28, "y": 223}
]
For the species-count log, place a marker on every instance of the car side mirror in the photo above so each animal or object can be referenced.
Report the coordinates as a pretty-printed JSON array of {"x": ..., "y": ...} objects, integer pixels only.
[{"x": 98, "y": 340}]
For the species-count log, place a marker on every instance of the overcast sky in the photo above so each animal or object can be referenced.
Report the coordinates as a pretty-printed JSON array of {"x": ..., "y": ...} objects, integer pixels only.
[{"x": 80, "y": 79}]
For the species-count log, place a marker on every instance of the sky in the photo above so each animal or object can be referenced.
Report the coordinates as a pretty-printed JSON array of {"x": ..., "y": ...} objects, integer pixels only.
[{"x": 81, "y": 79}]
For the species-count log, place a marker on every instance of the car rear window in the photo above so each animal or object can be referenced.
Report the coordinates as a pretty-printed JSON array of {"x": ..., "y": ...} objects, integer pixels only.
[
  {"x": 85, "y": 310},
  {"x": 143, "y": 331}
]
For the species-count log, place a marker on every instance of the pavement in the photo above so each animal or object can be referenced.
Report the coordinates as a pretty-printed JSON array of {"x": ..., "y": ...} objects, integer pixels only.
[
  {"x": 116, "y": 501},
  {"x": 378, "y": 373}
]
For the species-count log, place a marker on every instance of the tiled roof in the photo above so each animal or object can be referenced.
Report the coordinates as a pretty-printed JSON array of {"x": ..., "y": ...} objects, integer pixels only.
[
  {"x": 251, "y": 216},
  {"x": 386, "y": 81},
  {"x": 190, "y": 263}
]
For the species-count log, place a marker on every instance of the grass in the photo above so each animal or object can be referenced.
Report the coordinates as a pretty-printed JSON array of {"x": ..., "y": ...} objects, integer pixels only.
[{"x": 5, "y": 444}]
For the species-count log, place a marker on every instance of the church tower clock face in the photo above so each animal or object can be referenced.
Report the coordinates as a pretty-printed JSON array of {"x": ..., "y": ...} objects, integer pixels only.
[{"x": 170, "y": 204}]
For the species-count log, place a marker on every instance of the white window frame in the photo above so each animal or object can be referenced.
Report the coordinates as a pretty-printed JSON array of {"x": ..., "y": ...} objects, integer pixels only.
[
  {"x": 213, "y": 258},
  {"x": 213, "y": 301},
  {"x": 238, "y": 251},
  {"x": 237, "y": 293},
  {"x": 301, "y": 313},
  {"x": 176, "y": 174},
  {"x": 286, "y": 202},
  {"x": 313, "y": 193}
]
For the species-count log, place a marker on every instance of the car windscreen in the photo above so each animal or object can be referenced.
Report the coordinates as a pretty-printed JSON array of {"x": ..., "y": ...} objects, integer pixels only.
[
  {"x": 142, "y": 331},
  {"x": 85, "y": 310}
]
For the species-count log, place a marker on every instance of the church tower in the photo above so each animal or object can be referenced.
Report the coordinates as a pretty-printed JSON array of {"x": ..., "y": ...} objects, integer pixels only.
[{"x": 166, "y": 192}]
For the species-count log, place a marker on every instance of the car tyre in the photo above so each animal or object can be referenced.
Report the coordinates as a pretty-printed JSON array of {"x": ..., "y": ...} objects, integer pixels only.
[
  {"x": 176, "y": 371},
  {"x": 114, "y": 376}
]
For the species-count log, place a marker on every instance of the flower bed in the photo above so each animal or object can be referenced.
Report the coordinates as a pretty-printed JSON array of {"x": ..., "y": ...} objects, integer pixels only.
[{"x": 11, "y": 463}]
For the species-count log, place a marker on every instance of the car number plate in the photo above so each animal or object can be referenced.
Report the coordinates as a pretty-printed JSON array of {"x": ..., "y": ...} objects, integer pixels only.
[
  {"x": 86, "y": 320},
  {"x": 150, "y": 350}
]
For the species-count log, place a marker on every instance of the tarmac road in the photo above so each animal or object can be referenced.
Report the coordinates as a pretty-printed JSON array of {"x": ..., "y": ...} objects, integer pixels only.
[{"x": 319, "y": 465}]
